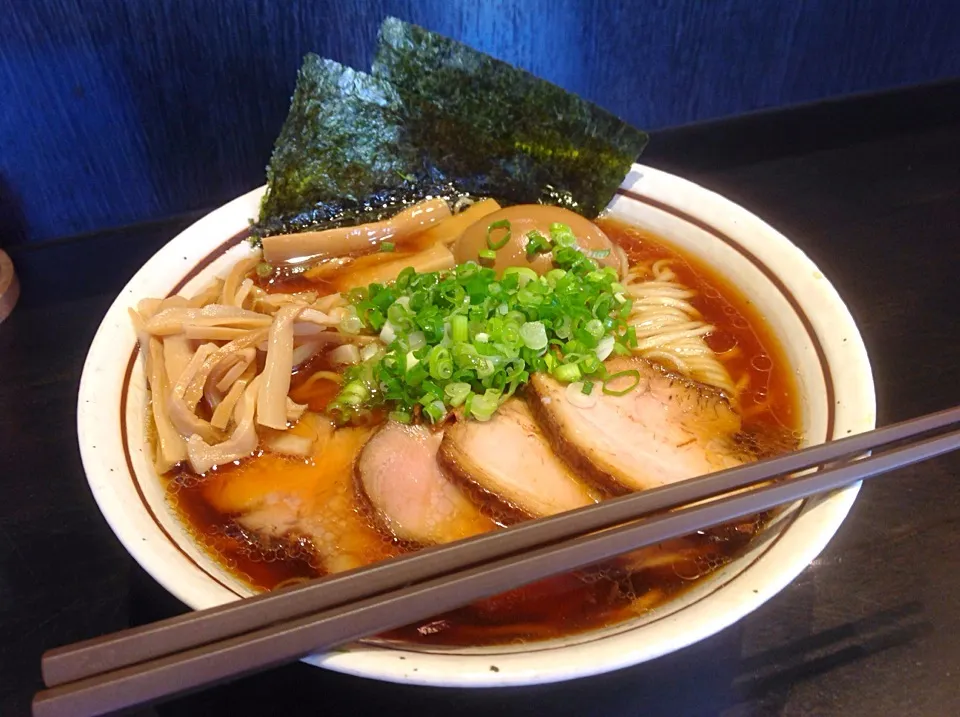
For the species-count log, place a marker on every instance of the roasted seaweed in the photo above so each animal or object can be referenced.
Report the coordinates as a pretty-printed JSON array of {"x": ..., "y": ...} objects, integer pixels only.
[
  {"x": 494, "y": 129},
  {"x": 338, "y": 150},
  {"x": 436, "y": 118}
]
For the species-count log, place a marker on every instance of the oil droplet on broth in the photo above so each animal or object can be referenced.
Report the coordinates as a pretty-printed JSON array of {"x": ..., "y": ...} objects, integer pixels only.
[
  {"x": 721, "y": 342},
  {"x": 762, "y": 362}
]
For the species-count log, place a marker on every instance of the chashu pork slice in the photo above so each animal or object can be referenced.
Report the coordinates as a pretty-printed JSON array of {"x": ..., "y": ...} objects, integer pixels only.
[
  {"x": 665, "y": 430},
  {"x": 510, "y": 458},
  {"x": 414, "y": 498},
  {"x": 283, "y": 498}
]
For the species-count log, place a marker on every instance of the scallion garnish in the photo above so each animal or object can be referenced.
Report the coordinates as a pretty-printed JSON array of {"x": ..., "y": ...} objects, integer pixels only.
[
  {"x": 590, "y": 364},
  {"x": 441, "y": 363},
  {"x": 524, "y": 274},
  {"x": 594, "y": 329},
  {"x": 567, "y": 372},
  {"x": 458, "y": 328},
  {"x": 629, "y": 373},
  {"x": 456, "y": 393},
  {"x": 483, "y": 406},
  {"x": 466, "y": 339},
  {"x": 537, "y": 243},
  {"x": 434, "y": 409},
  {"x": 562, "y": 235},
  {"x": 503, "y": 224},
  {"x": 387, "y": 246},
  {"x": 534, "y": 335}
]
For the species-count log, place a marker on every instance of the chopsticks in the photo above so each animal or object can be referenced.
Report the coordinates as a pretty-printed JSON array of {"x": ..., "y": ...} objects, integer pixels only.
[{"x": 146, "y": 664}]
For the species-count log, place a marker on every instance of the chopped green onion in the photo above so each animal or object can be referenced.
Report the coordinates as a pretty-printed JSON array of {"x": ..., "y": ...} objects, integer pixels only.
[
  {"x": 598, "y": 253},
  {"x": 603, "y": 305},
  {"x": 562, "y": 235},
  {"x": 574, "y": 347},
  {"x": 524, "y": 274},
  {"x": 605, "y": 347},
  {"x": 458, "y": 328},
  {"x": 465, "y": 356},
  {"x": 264, "y": 269},
  {"x": 404, "y": 277},
  {"x": 510, "y": 335},
  {"x": 516, "y": 317},
  {"x": 564, "y": 328},
  {"x": 590, "y": 364},
  {"x": 354, "y": 393},
  {"x": 435, "y": 410},
  {"x": 388, "y": 333},
  {"x": 387, "y": 246},
  {"x": 417, "y": 340},
  {"x": 456, "y": 393},
  {"x": 398, "y": 315},
  {"x": 554, "y": 276},
  {"x": 483, "y": 405},
  {"x": 485, "y": 368},
  {"x": 620, "y": 350},
  {"x": 412, "y": 360},
  {"x": 464, "y": 338},
  {"x": 502, "y": 242},
  {"x": 594, "y": 328},
  {"x": 537, "y": 243},
  {"x": 567, "y": 372},
  {"x": 534, "y": 335},
  {"x": 587, "y": 388},
  {"x": 629, "y": 373},
  {"x": 351, "y": 324},
  {"x": 441, "y": 363}
]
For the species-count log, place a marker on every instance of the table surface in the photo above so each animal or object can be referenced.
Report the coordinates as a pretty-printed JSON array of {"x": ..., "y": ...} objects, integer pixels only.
[{"x": 868, "y": 187}]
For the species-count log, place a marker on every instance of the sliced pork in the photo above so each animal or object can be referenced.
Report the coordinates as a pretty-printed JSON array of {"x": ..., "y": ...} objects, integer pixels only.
[
  {"x": 509, "y": 457},
  {"x": 286, "y": 499},
  {"x": 665, "y": 430},
  {"x": 415, "y": 500}
]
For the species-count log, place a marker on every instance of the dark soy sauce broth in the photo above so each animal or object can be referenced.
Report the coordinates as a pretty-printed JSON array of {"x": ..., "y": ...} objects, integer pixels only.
[{"x": 567, "y": 604}]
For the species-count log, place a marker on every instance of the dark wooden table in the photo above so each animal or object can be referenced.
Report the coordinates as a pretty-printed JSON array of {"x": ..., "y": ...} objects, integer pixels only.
[{"x": 869, "y": 187}]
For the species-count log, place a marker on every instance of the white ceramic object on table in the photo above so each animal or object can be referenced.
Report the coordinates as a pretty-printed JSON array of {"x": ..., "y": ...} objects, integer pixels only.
[{"x": 817, "y": 332}]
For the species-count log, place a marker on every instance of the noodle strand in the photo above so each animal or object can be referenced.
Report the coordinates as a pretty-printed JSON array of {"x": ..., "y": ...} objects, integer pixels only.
[{"x": 669, "y": 328}]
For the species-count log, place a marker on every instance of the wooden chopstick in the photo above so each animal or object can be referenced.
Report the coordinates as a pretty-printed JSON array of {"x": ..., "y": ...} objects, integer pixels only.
[
  {"x": 379, "y": 610},
  {"x": 183, "y": 632}
]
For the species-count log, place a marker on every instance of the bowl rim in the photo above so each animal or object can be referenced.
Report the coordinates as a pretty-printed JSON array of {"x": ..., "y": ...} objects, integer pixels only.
[{"x": 607, "y": 652}]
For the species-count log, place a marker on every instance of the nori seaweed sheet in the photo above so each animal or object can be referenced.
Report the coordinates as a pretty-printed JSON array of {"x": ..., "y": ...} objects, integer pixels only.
[
  {"x": 337, "y": 153},
  {"x": 436, "y": 118},
  {"x": 498, "y": 130}
]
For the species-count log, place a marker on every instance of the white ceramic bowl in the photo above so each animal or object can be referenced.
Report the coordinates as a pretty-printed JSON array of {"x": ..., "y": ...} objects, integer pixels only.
[{"x": 819, "y": 336}]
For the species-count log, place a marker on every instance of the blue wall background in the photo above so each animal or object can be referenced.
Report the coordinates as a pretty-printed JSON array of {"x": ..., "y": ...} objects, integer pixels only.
[{"x": 119, "y": 111}]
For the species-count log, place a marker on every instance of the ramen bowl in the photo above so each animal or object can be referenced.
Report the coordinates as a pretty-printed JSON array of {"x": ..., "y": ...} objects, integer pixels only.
[{"x": 801, "y": 307}]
